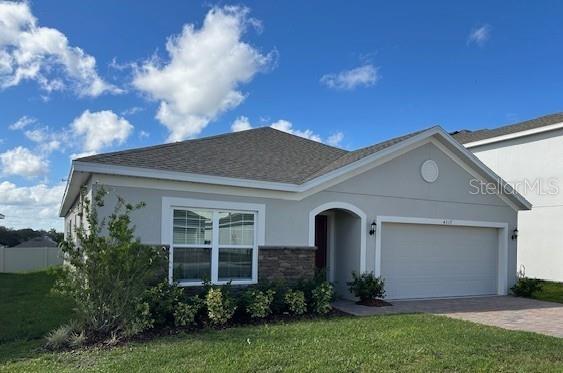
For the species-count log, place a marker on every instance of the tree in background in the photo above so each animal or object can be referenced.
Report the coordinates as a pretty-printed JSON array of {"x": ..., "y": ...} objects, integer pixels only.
[{"x": 12, "y": 237}]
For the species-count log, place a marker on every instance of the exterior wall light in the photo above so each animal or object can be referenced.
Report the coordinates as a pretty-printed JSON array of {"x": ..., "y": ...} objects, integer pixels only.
[
  {"x": 372, "y": 230},
  {"x": 515, "y": 234}
]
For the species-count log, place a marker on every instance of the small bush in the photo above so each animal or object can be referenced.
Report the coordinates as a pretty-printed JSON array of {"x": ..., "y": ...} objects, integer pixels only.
[
  {"x": 367, "y": 286},
  {"x": 295, "y": 301},
  {"x": 257, "y": 302},
  {"x": 185, "y": 313},
  {"x": 60, "y": 337},
  {"x": 140, "y": 322},
  {"x": 163, "y": 300},
  {"x": 321, "y": 296},
  {"x": 220, "y": 306},
  {"x": 77, "y": 339},
  {"x": 526, "y": 286},
  {"x": 279, "y": 287}
]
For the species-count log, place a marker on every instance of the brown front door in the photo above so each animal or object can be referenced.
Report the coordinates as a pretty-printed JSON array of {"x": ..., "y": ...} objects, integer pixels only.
[{"x": 320, "y": 241}]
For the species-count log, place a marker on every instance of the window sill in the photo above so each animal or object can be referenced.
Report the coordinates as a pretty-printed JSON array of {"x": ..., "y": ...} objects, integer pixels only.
[{"x": 238, "y": 282}]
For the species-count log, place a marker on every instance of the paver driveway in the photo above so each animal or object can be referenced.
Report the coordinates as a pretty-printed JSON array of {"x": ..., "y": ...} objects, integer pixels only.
[{"x": 502, "y": 311}]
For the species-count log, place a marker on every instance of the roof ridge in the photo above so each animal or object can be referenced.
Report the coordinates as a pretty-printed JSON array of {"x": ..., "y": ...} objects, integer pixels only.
[
  {"x": 466, "y": 136},
  {"x": 382, "y": 144},
  {"x": 158, "y": 146},
  {"x": 176, "y": 143},
  {"x": 542, "y": 117}
]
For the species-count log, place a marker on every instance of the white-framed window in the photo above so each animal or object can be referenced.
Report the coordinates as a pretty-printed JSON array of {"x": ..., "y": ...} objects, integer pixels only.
[{"x": 212, "y": 240}]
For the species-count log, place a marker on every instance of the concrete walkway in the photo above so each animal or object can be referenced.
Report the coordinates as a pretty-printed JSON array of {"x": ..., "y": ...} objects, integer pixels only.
[{"x": 505, "y": 312}]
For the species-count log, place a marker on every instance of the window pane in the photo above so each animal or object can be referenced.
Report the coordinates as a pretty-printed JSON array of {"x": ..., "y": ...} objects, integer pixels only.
[
  {"x": 236, "y": 228},
  {"x": 192, "y": 264},
  {"x": 192, "y": 227},
  {"x": 235, "y": 264}
]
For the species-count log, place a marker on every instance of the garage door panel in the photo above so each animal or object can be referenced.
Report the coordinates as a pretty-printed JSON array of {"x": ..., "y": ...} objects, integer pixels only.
[{"x": 420, "y": 261}]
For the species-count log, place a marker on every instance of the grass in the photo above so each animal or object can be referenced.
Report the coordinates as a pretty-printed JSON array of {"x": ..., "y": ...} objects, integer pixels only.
[
  {"x": 551, "y": 291},
  {"x": 384, "y": 343},
  {"x": 417, "y": 342},
  {"x": 28, "y": 311}
]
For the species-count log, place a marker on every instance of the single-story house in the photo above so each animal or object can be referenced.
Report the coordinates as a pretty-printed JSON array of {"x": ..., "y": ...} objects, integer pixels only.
[
  {"x": 263, "y": 204},
  {"x": 529, "y": 156},
  {"x": 32, "y": 255}
]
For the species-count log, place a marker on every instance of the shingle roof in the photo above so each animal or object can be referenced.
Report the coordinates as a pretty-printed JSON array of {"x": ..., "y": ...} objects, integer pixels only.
[
  {"x": 356, "y": 155},
  {"x": 467, "y": 136},
  {"x": 263, "y": 154},
  {"x": 42, "y": 241}
]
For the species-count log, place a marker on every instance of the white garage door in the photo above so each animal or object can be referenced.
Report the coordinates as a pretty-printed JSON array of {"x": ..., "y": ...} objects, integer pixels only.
[{"x": 426, "y": 261}]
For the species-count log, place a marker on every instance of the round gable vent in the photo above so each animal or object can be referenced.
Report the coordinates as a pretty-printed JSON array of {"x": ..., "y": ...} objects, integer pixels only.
[{"x": 429, "y": 171}]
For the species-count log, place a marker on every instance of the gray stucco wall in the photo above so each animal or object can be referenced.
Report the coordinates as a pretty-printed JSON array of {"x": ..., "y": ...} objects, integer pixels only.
[
  {"x": 394, "y": 188},
  {"x": 347, "y": 249}
]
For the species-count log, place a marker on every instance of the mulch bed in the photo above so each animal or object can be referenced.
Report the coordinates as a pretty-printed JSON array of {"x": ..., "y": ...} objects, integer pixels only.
[{"x": 374, "y": 303}]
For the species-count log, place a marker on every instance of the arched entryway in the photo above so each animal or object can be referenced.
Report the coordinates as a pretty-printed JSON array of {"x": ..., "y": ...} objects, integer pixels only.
[{"x": 339, "y": 230}]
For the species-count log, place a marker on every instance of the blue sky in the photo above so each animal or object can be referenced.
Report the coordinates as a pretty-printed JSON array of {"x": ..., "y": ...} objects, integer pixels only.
[{"x": 91, "y": 77}]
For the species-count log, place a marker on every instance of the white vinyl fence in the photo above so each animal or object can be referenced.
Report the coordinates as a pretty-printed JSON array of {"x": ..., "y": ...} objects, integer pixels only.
[{"x": 25, "y": 259}]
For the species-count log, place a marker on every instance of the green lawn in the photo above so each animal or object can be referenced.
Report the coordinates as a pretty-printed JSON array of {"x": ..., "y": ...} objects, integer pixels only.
[
  {"x": 384, "y": 343},
  {"x": 551, "y": 291},
  {"x": 28, "y": 311}
]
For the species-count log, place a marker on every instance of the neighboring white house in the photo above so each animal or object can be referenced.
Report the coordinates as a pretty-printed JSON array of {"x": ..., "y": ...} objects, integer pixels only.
[
  {"x": 263, "y": 204},
  {"x": 529, "y": 156}
]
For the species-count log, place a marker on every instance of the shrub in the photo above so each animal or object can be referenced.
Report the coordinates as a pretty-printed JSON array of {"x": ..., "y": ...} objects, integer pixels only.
[
  {"x": 163, "y": 300},
  {"x": 526, "y": 286},
  {"x": 321, "y": 296},
  {"x": 220, "y": 306},
  {"x": 60, "y": 337},
  {"x": 279, "y": 287},
  {"x": 77, "y": 339},
  {"x": 141, "y": 321},
  {"x": 295, "y": 301},
  {"x": 185, "y": 313},
  {"x": 257, "y": 302},
  {"x": 367, "y": 286},
  {"x": 108, "y": 274}
]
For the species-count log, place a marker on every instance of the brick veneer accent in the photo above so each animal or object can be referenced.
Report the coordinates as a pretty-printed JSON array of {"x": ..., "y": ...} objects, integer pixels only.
[{"x": 289, "y": 264}]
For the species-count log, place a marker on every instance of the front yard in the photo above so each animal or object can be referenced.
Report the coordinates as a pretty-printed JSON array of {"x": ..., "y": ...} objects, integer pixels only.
[
  {"x": 399, "y": 342},
  {"x": 551, "y": 292}
]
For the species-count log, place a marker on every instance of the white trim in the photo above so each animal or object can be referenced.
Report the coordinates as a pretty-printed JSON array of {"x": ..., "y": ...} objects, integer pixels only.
[
  {"x": 343, "y": 206},
  {"x": 168, "y": 205},
  {"x": 514, "y": 135},
  {"x": 169, "y": 202},
  {"x": 331, "y": 245},
  {"x": 338, "y": 175},
  {"x": 502, "y": 273}
]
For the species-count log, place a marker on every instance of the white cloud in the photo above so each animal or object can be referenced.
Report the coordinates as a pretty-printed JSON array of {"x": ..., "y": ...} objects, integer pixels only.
[
  {"x": 479, "y": 35},
  {"x": 32, "y": 52},
  {"x": 131, "y": 111},
  {"x": 100, "y": 129},
  {"x": 21, "y": 161},
  {"x": 47, "y": 140},
  {"x": 33, "y": 206},
  {"x": 286, "y": 126},
  {"x": 335, "y": 139},
  {"x": 242, "y": 124},
  {"x": 22, "y": 123},
  {"x": 363, "y": 76},
  {"x": 206, "y": 67}
]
